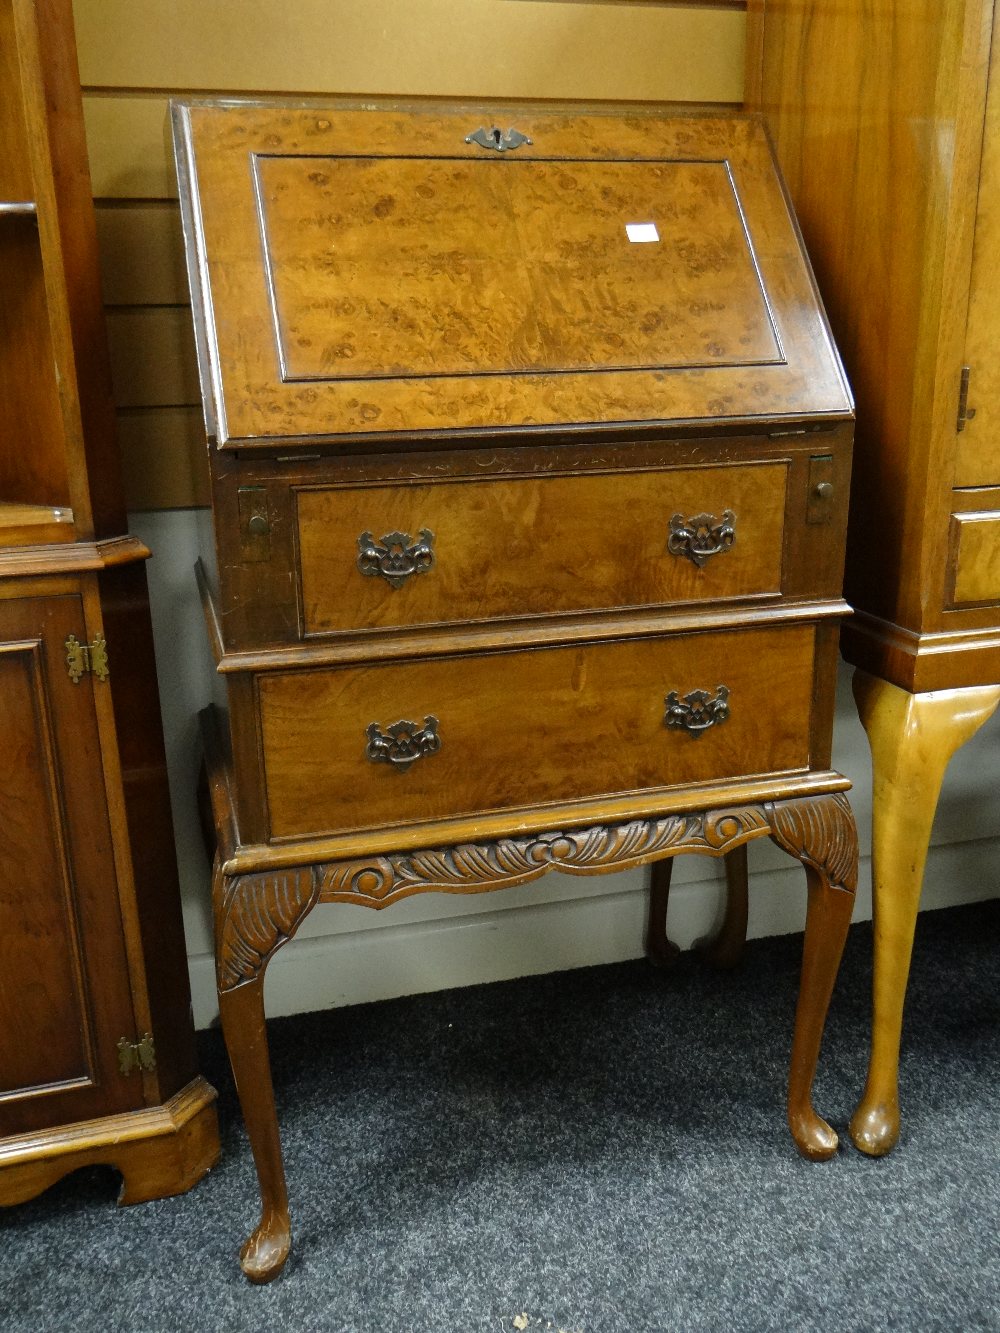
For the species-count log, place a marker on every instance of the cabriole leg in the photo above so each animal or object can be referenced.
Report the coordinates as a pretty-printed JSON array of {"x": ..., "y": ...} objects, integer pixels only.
[
  {"x": 820, "y": 831},
  {"x": 725, "y": 950},
  {"x": 660, "y": 951},
  {"x": 264, "y": 1252},
  {"x": 254, "y": 916},
  {"x": 912, "y": 738}
]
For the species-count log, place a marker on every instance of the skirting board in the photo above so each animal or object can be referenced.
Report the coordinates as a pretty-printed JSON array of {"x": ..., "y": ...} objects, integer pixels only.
[{"x": 358, "y": 965}]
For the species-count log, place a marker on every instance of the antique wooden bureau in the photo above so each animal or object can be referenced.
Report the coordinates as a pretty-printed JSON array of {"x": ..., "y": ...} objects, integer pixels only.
[{"x": 530, "y": 453}]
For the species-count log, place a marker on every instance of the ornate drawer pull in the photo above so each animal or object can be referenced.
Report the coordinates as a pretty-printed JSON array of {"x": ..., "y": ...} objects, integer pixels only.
[
  {"x": 403, "y": 744},
  {"x": 396, "y": 556},
  {"x": 697, "y": 711},
  {"x": 701, "y": 536}
]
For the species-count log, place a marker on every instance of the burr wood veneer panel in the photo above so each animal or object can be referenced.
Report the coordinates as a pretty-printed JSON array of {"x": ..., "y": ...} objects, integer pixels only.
[
  {"x": 525, "y": 727},
  {"x": 540, "y": 545}
]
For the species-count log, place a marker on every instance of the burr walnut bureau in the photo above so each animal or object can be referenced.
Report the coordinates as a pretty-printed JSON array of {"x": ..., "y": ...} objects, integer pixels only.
[{"x": 530, "y": 453}]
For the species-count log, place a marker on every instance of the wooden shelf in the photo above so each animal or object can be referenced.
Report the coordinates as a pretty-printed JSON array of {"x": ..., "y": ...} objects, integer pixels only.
[{"x": 34, "y": 524}]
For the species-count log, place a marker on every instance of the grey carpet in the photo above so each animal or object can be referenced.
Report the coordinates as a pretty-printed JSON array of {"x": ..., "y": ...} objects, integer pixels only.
[{"x": 601, "y": 1151}]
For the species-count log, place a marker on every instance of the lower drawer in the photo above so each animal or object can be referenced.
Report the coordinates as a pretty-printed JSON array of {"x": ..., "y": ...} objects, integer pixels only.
[
  {"x": 975, "y": 558},
  {"x": 505, "y": 730}
]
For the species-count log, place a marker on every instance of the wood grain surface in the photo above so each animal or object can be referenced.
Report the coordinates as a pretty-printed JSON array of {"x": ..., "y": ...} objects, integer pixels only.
[
  {"x": 542, "y": 546},
  {"x": 389, "y": 268},
  {"x": 62, "y": 928},
  {"x": 254, "y": 398},
  {"x": 977, "y": 453},
  {"x": 132, "y": 60},
  {"x": 859, "y": 100},
  {"x": 522, "y": 728}
]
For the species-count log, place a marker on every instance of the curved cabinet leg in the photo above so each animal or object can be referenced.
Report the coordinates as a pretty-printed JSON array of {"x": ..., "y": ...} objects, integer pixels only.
[
  {"x": 660, "y": 950},
  {"x": 254, "y": 916},
  {"x": 820, "y": 831},
  {"x": 264, "y": 1252},
  {"x": 912, "y": 738},
  {"x": 725, "y": 950}
]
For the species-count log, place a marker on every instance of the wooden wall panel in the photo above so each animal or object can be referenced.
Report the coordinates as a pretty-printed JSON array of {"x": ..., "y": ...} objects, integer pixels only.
[
  {"x": 135, "y": 56},
  {"x": 164, "y": 463},
  {"x": 128, "y": 146},
  {"x": 142, "y": 254},
  {"x": 432, "y": 48},
  {"x": 153, "y": 361}
]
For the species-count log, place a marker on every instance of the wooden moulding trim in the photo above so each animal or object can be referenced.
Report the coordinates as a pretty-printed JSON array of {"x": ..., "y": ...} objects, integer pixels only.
[
  {"x": 939, "y": 660},
  {"x": 433, "y": 641},
  {"x": 71, "y": 557},
  {"x": 109, "y": 1132},
  {"x": 512, "y": 823},
  {"x": 210, "y": 613},
  {"x": 218, "y": 774}
]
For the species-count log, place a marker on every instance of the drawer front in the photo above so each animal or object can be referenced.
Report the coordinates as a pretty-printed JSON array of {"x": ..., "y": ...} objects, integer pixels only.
[
  {"x": 975, "y": 555},
  {"x": 513, "y": 729},
  {"x": 479, "y": 550}
]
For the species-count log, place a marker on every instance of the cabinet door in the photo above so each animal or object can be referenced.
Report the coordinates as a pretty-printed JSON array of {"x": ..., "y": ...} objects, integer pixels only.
[
  {"x": 64, "y": 992},
  {"x": 977, "y": 460}
]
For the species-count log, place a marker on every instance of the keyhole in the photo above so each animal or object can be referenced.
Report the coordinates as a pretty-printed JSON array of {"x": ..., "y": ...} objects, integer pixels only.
[{"x": 497, "y": 136}]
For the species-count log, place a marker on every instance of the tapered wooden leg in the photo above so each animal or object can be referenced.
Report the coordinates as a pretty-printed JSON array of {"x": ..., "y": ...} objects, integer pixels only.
[
  {"x": 725, "y": 950},
  {"x": 912, "y": 738},
  {"x": 660, "y": 951},
  {"x": 264, "y": 1253},
  {"x": 254, "y": 916},
  {"x": 820, "y": 831}
]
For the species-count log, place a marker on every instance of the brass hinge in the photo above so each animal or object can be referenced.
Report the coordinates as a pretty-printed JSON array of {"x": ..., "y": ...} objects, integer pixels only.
[
  {"x": 135, "y": 1055},
  {"x": 84, "y": 657},
  {"x": 965, "y": 412}
]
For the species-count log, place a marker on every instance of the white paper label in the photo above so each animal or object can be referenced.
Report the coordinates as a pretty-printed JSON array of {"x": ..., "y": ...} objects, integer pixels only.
[{"x": 641, "y": 231}]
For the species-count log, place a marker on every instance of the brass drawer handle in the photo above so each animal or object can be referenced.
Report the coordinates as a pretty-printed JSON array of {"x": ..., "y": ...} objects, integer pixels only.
[
  {"x": 403, "y": 743},
  {"x": 396, "y": 556},
  {"x": 697, "y": 711},
  {"x": 701, "y": 536}
]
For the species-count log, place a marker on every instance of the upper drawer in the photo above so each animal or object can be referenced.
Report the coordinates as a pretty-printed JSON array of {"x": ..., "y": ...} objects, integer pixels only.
[{"x": 425, "y": 554}]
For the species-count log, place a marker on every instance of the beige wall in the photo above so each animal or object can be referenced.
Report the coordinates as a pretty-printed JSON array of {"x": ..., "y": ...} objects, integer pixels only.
[{"x": 135, "y": 54}]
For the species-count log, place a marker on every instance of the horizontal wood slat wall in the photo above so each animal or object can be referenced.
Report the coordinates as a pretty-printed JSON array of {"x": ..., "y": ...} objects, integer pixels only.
[{"x": 135, "y": 56}]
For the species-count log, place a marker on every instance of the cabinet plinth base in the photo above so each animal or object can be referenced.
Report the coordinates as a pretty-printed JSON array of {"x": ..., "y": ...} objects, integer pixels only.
[{"x": 160, "y": 1151}]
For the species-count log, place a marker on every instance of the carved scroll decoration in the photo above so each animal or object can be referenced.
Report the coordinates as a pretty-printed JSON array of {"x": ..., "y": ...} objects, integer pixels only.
[
  {"x": 257, "y": 915},
  {"x": 473, "y": 867},
  {"x": 819, "y": 831}
]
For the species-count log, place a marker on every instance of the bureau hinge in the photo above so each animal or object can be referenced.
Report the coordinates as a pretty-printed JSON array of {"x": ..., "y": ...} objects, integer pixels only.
[
  {"x": 84, "y": 657},
  {"x": 965, "y": 412},
  {"x": 136, "y": 1055}
]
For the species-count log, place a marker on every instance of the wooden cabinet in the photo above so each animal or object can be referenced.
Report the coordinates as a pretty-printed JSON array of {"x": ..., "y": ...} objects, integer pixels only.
[
  {"x": 96, "y": 1043},
  {"x": 530, "y": 456},
  {"x": 886, "y": 122}
]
